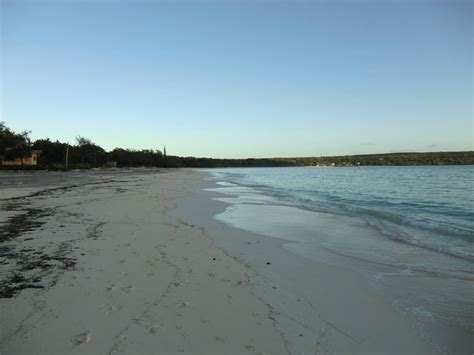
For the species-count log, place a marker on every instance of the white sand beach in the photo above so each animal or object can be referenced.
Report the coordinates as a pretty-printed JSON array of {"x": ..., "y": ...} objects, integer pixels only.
[{"x": 132, "y": 262}]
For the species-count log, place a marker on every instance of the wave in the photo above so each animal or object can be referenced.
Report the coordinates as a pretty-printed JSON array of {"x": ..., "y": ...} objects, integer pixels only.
[
  {"x": 440, "y": 246},
  {"x": 427, "y": 233},
  {"x": 325, "y": 201},
  {"x": 345, "y": 206}
]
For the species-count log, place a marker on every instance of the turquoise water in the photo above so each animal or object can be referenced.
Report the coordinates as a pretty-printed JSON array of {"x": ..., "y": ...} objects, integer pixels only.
[
  {"x": 435, "y": 204},
  {"x": 409, "y": 229}
]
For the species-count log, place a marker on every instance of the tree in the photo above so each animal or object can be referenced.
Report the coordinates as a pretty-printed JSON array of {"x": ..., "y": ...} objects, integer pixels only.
[
  {"x": 51, "y": 152},
  {"x": 81, "y": 141},
  {"x": 89, "y": 152},
  {"x": 13, "y": 145}
]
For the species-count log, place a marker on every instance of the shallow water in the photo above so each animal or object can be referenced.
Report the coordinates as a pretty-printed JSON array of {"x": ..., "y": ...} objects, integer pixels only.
[{"x": 408, "y": 229}]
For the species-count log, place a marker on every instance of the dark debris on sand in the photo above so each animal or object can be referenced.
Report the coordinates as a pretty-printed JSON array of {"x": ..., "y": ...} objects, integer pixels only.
[
  {"x": 28, "y": 220},
  {"x": 29, "y": 265}
]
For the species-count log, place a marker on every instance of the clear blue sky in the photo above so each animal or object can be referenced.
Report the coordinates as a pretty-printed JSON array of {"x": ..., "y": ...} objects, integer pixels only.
[{"x": 241, "y": 78}]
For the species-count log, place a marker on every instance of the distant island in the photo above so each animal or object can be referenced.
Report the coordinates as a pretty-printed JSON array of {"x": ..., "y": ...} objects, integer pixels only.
[{"x": 17, "y": 151}]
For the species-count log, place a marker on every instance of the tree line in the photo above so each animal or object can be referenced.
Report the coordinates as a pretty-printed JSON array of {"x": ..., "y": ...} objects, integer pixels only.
[{"x": 86, "y": 154}]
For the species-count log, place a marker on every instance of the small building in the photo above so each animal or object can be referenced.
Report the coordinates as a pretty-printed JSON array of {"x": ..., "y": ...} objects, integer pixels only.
[{"x": 30, "y": 160}]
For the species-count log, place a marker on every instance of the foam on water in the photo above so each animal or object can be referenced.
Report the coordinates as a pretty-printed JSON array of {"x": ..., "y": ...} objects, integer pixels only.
[
  {"x": 430, "y": 207},
  {"x": 416, "y": 241}
]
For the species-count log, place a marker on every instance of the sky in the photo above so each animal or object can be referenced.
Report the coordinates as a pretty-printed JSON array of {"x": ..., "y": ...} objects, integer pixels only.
[{"x": 239, "y": 79}]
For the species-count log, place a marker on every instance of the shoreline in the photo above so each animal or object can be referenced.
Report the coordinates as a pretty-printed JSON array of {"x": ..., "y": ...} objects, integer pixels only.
[
  {"x": 139, "y": 264},
  {"x": 110, "y": 272},
  {"x": 360, "y": 320}
]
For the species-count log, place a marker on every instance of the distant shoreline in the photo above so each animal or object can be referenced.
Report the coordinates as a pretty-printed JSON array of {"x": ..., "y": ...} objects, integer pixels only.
[
  {"x": 18, "y": 152},
  {"x": 387, "y": 159}
]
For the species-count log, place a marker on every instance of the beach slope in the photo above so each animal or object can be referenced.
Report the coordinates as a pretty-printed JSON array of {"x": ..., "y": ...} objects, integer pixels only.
[
  {"x": 134, "y": 262},
  {"x": 96, "y": 265}
]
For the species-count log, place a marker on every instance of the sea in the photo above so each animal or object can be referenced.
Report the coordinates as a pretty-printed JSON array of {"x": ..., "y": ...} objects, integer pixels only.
[{"x": 408, "y": 229}]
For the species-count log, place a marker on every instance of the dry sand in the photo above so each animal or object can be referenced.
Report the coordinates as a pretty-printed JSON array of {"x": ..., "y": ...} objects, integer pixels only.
[{"x": 132, "y": 262}]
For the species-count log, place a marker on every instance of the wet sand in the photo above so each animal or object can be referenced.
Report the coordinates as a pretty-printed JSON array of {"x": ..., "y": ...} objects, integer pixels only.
[{"x": 132, "y": 262}]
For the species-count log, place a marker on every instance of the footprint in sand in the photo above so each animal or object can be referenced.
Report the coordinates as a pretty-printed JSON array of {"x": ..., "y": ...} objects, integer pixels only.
[
  {"x": 182, "y": 304},
  {"x": 219, "y": 339},
  {"x": 127, "y": 289},
  {"x": 211, "y": 275},
  {"x": 150, "y": 331},
  {"x": 82, "y": 338},
  {"x": 111, "y": 288},
  {"x": 107, "y": 308}
]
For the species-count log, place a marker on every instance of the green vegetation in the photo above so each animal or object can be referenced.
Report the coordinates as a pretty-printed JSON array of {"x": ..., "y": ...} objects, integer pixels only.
[
  {"x": 86, "y": 154},
  {"x": 431, "y": 158},
  {"x": 13, "y": 145}
]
